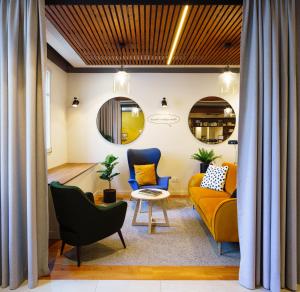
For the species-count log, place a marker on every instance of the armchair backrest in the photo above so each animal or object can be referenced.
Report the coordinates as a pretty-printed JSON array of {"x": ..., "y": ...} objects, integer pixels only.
[
  {"x": 142, "y": 156},
  {"x": 231, "y": 178},
  {"x": 72, "y": 207}
]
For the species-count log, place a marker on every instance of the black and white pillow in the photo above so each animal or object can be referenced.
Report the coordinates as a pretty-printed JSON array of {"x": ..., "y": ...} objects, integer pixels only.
[{"x": 214, "y": 178}]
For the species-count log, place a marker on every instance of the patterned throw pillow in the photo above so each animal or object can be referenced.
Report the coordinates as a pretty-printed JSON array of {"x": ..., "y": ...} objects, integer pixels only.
[{"x": 214, "y": 178}]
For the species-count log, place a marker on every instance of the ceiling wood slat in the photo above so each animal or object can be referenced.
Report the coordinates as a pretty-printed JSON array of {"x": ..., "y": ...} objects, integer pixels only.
[{"x": 96, "y": 32}]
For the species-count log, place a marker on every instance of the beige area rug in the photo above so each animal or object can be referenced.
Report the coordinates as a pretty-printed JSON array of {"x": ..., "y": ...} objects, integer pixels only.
[{"x": 187, "y": 242}]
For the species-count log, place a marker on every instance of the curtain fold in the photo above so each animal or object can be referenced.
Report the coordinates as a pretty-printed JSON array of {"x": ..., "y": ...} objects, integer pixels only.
[
  {"x": 109, "y": 120},
  {"x": 269, "y": 146},
  {"x": 23, "y": 170}
]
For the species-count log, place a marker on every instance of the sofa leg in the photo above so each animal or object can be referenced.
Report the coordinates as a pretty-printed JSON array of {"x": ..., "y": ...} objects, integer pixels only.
[
  {"x": 219, "y": 248},
  {"x": 62, "y": 247},
  {"x": 122, "y": 239},
  {"x": 78, "y": 255}
]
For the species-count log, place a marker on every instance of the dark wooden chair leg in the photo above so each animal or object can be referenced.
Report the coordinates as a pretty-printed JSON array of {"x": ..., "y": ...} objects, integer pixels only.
[
  {"x": 62, "y": 247},
  {"x": 122, "y": 239},
  {"x": 78, "y": 255}
]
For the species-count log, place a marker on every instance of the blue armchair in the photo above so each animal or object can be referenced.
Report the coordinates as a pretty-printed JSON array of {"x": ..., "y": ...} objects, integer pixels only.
[{"x": 145, "y": 156}]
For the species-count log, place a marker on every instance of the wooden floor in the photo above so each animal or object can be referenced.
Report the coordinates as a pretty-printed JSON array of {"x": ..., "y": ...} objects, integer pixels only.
[{"x": 95, "y": 272}]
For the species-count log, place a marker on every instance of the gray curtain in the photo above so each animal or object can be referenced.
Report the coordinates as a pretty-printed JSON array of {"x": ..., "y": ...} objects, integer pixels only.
[
  {"x": 269, "y": 149},
  {"x": 23, "y": 180}
]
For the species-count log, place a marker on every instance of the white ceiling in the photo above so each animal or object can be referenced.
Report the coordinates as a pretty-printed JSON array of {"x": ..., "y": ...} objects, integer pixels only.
[{"x": 57, "y": 42}]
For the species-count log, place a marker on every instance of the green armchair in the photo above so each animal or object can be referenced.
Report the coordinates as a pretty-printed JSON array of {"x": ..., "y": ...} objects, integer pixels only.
[{"x": 81, "y": 222}]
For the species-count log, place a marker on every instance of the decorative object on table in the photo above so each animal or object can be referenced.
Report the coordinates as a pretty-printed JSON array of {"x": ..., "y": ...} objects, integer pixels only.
[
  {"x": 150, "y": 192},
  {"x": 218, "y": 209},
  {"x": 214, "y": 178},
  {"x": 144, "y": 157},
  {"x": 109, "y": 195},
  {"x": 150, "y": 198},
  {"x": 80, "y": 221},
  {"x": 206, "y": 157}
]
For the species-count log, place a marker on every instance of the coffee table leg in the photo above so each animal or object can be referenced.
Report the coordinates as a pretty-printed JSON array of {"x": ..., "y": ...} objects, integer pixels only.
[
  {"x": 150, "y": 217},
  {"x": 165, "y": 212},
  {"x": 136, "y": 211}
]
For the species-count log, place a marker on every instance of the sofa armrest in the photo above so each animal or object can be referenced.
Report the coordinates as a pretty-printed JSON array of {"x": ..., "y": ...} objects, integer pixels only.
[
  {"x": 163, "y": 181},
  {"x": 195, "y": 180},
  {"x": 224, "y": 221},
  {"x": 90, "y": 196}
]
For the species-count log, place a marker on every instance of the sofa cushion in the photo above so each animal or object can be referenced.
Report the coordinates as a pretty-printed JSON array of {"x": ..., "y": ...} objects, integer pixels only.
[
  {"x": 199, "y": 193},
  {"x": 208, "y": 207},
  {"x": 230, "y": 184},
  {"x": 215, "y": 177}
]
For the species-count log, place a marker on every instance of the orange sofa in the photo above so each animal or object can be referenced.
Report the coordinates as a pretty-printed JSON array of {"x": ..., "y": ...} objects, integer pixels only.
[{"x": 217, "y": 209}]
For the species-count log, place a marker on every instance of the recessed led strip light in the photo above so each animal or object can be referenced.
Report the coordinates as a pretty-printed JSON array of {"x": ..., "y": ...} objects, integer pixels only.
[{"x": 178, "y": 33}]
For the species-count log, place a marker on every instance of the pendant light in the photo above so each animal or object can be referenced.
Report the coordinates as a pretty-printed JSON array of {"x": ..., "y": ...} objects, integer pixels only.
[
  {"x": 121, "y": 78},
  {"x": 228, "y": 81}
]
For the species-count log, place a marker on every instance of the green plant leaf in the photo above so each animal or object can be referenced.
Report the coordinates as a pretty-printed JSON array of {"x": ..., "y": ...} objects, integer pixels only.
[
  {"x": 108, "y": 166},
  {"x": 205, "y": 156}
]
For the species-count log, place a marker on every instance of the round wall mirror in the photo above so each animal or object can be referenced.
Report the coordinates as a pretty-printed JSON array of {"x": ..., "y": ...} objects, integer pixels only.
[
  {"x": 212, "y": 120},
  {"x": 120, "y": 120}
]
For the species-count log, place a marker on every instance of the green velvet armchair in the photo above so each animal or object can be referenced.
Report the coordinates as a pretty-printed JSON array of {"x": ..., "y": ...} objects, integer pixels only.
[{"x": 81, "y": 222}]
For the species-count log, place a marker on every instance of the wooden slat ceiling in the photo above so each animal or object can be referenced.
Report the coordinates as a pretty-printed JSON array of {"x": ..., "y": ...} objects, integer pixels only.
[{"x": 96, "y": 31}]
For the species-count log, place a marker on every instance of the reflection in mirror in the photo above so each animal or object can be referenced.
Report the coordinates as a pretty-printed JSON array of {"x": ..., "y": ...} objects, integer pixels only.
[
  {"x": 120, "y": 120},
  {"x": 212, "y": 120}
]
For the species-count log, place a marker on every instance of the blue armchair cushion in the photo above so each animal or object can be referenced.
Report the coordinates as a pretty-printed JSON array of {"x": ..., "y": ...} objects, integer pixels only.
[{"x": 145, "y": 174}]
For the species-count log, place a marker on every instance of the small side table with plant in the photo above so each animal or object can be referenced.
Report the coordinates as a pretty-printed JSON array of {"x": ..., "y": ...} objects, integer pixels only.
[
  {"x": 206, "y": 157},
  {"x": 109, "y": 195}
]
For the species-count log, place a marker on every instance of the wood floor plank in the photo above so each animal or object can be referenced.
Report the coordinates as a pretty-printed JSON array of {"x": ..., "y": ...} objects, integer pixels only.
[
  {"x": 92, "y": 272},
  {"x": 60, "y": 271}
]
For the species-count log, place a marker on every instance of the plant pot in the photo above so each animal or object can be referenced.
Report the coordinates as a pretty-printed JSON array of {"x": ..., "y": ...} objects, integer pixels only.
[
  {"x": 109, "y": 195},
  {"x": 203, "y": 167}
]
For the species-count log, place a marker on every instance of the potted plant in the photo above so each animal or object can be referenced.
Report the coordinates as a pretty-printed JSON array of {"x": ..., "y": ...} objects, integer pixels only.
[
  {"x": 206, "y": 157},
  {"x": 109, "y": 195}
]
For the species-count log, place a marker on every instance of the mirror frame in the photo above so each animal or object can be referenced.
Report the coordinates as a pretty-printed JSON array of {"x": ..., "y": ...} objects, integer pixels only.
[
  {"x": 233, "y": 126},
  {"x": 125, "y": 98}
]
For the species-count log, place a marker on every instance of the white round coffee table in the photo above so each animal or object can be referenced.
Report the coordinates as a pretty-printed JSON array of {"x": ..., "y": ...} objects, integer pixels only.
[{"x": 140, "y": 196}]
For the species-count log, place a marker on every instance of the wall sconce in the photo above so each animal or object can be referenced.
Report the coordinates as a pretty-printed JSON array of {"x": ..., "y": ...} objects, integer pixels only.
[
  {"x": 164, "y": 102},
  {"x": 75, "y": 102}
]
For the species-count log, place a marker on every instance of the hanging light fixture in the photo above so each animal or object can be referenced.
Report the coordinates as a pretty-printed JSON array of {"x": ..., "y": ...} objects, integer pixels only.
[
  {"x": 227, "y": 111},
  {"x": 75, "y": 102},
  {"x": 121, "y": 78},
  {"x": 228, "y": 81}
]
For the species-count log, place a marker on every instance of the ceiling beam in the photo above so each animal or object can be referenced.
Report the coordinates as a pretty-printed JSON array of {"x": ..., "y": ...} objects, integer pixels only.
[
  {"x": 62, "y": 63},
  {"x": 154, "y": 2}
]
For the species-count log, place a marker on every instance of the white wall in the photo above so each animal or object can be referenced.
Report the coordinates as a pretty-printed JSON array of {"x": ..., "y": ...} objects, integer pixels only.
[
  {"x": 176, "y": 143},
  {"x": 59, "y": 80}
]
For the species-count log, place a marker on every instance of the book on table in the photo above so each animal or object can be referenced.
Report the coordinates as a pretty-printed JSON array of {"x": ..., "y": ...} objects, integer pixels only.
[{"x": 150, "y": 192}]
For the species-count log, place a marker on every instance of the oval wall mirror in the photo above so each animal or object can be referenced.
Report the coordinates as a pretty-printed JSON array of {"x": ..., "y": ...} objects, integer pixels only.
[
  {"x": 120, "y": 120},
  {"x": 212, "y": 120}
]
